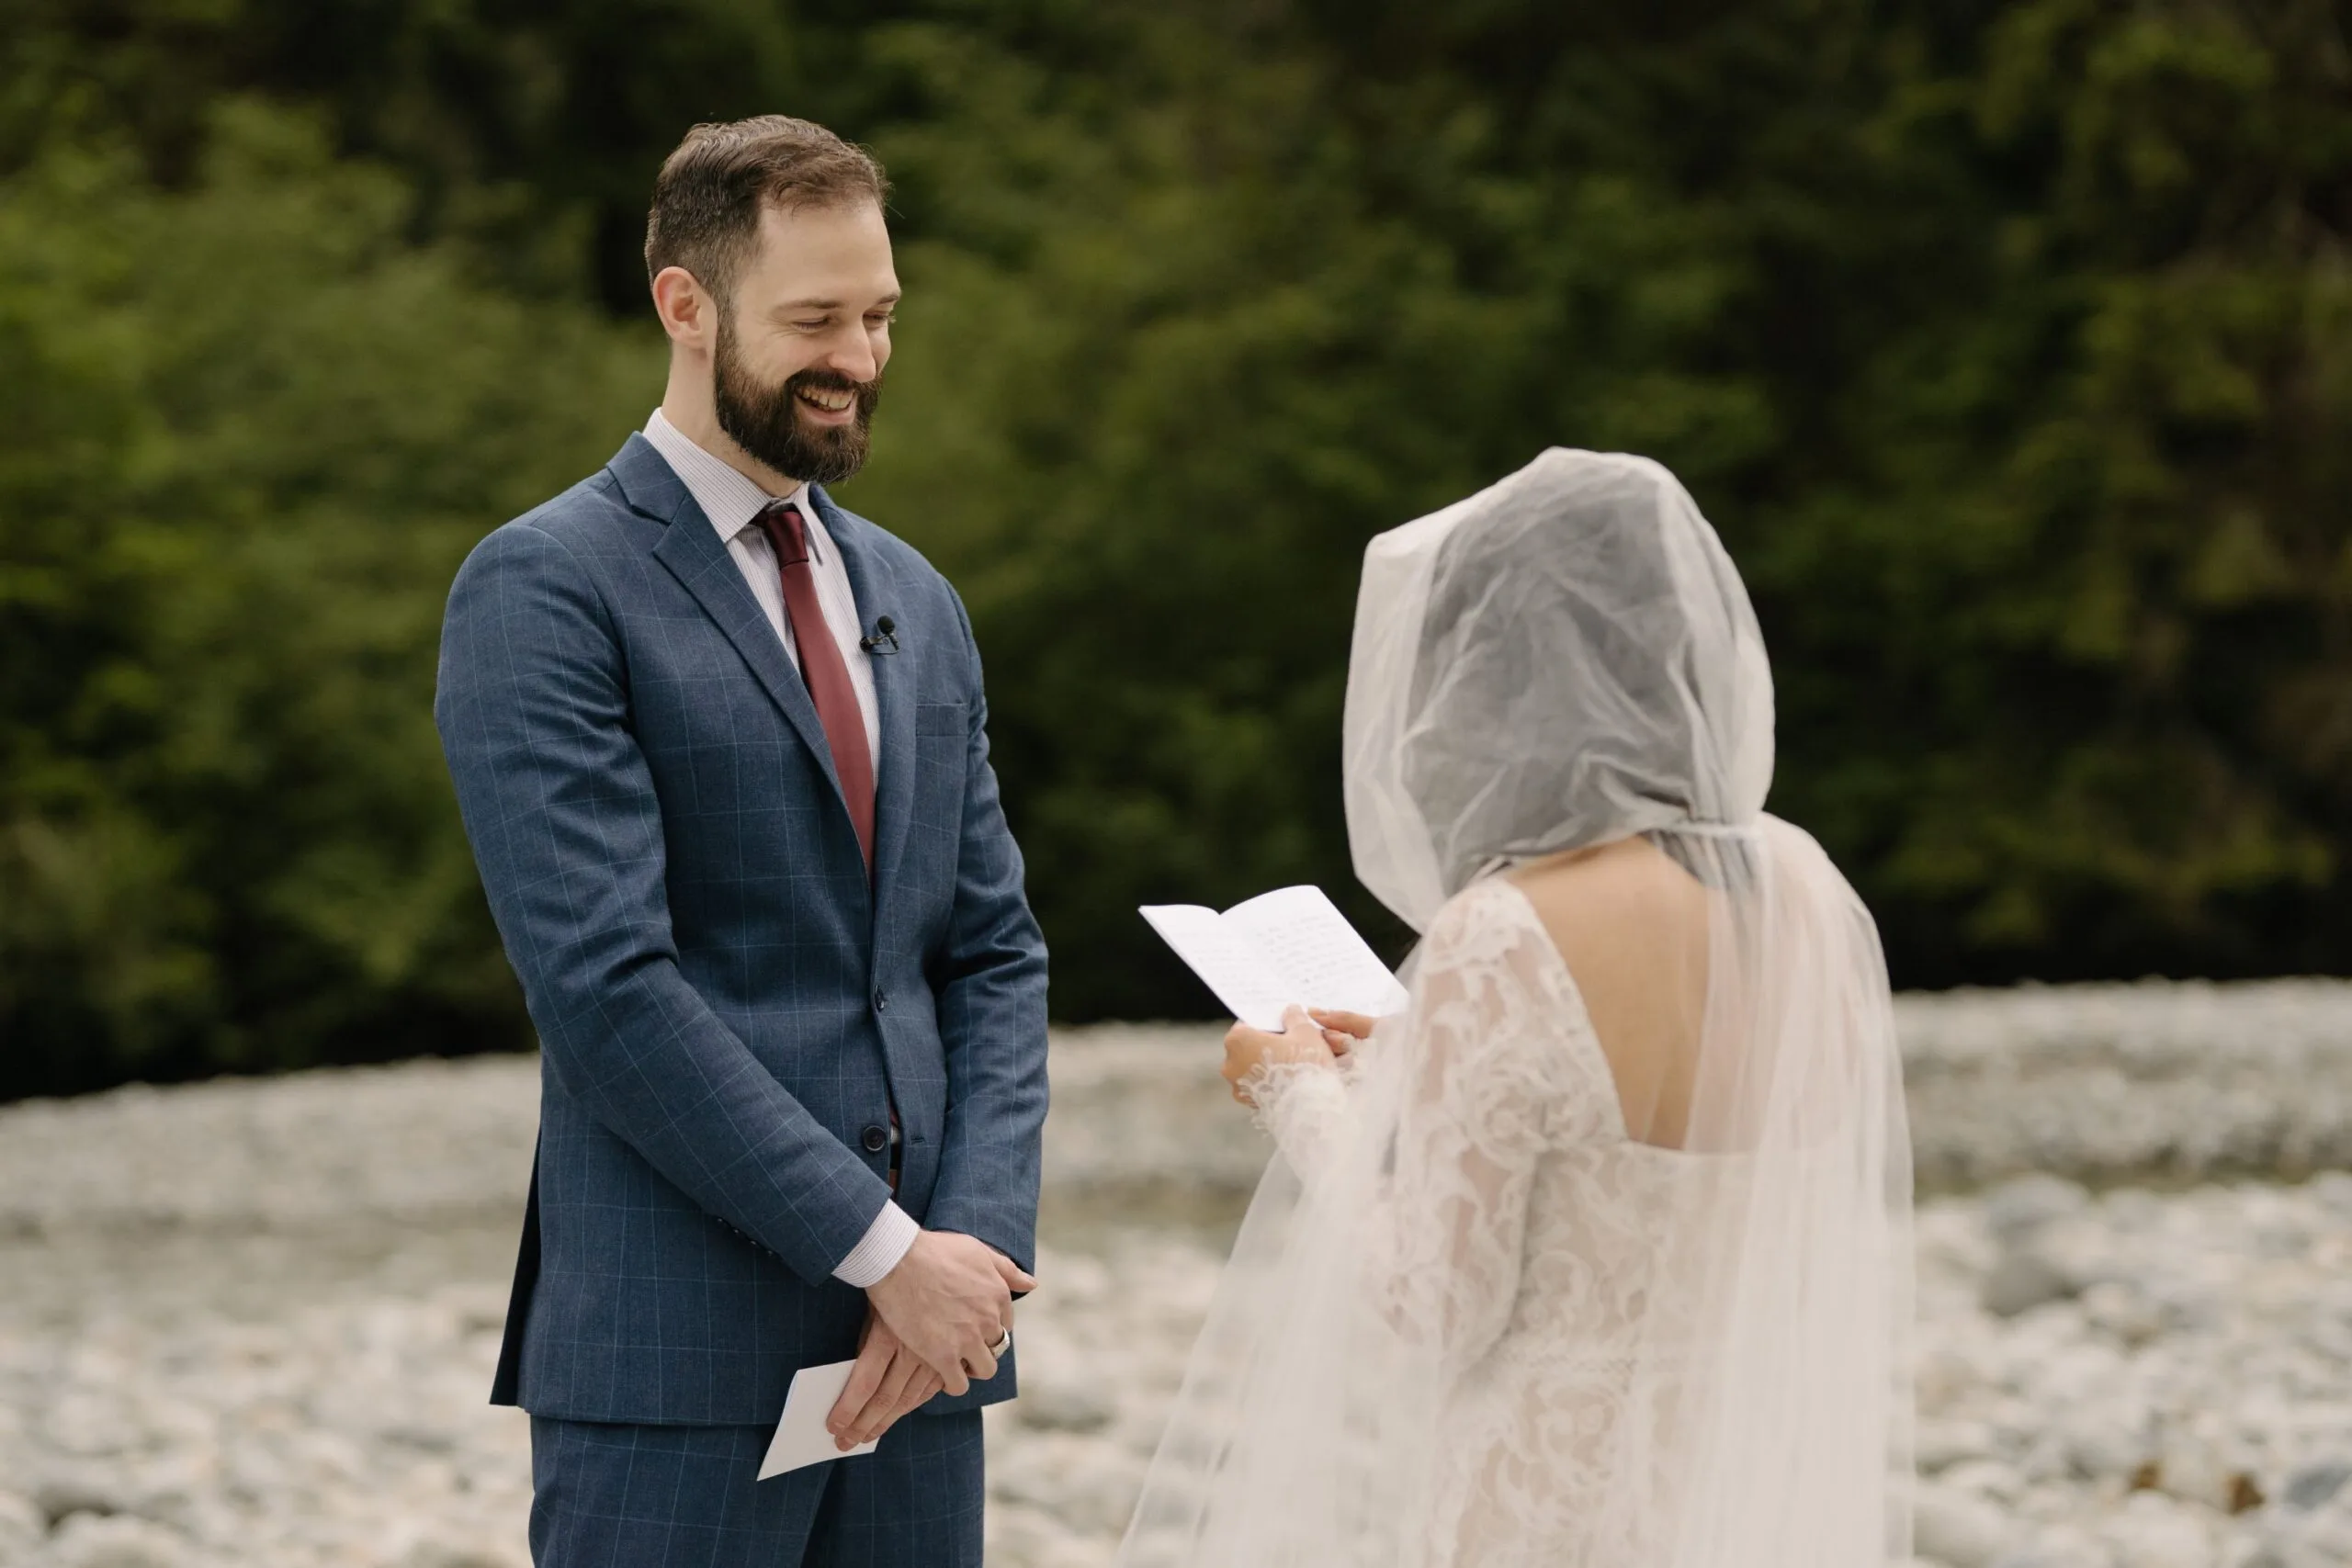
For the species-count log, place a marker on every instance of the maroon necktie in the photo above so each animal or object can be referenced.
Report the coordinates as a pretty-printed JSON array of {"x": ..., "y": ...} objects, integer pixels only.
[{"x": 824, "y": 669}]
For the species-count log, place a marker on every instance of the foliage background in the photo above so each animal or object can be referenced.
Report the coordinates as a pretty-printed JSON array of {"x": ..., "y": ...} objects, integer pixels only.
[{"x": 2008, "y": 344}]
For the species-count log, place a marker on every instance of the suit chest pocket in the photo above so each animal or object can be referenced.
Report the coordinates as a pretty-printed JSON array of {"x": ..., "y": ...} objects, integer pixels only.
[{"x": 942, "y": 731}]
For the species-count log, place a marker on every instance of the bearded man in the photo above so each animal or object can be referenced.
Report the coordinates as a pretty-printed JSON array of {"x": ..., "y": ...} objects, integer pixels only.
[{"x": 721, "y": 750}]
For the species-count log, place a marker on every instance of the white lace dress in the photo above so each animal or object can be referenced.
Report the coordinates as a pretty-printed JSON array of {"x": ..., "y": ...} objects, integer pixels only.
[{"x": 1521, "y": 1228}]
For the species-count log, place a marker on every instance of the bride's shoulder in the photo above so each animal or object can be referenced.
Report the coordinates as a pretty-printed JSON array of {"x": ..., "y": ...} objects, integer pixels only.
[
  {"x": 1612, "y": 911},
  {"x": 1490, "y": 968},
  {"x": 1474, "y": 917},
  {"x": 1488, "y": 935},
  {"x": 1627, "y": 885}
]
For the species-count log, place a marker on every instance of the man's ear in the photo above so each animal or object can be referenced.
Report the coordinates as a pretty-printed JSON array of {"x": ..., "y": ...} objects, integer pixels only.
[{"x": 688, "y": 313}]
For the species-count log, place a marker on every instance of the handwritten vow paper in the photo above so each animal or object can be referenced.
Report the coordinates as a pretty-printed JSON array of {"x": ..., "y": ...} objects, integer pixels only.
[{"x": 1288, "y": 946}]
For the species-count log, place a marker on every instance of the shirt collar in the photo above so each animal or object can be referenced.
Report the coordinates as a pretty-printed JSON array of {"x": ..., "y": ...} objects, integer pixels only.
[{"x": 727, "y": 496}]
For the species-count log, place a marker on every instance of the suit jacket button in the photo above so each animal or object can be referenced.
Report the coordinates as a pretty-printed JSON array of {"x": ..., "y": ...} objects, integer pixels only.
[
  {"x": 881, "y": 1001},
  {"x": 875, "y": 1139}
]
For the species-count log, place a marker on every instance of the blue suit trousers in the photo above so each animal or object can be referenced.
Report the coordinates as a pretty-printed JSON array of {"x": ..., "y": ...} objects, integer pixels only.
[{"x": 614, "y": 1495}]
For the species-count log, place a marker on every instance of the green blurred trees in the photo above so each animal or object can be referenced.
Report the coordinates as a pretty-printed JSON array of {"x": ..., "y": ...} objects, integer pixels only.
[
  {"x": 2007, "y": 345},
  {"x": 246, "y": 432},
  {"x": 2010, "y": 346}
]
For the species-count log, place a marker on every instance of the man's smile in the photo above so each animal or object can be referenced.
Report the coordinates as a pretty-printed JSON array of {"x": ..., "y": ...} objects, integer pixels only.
[{"x": 826, "y": 406}]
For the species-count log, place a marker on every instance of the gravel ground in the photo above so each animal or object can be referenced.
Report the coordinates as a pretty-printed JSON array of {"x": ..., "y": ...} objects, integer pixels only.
[{"x": 253, "y": 1322}]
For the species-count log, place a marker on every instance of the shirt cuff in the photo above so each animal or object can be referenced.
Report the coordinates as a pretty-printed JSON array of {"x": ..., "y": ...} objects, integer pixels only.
[{"x": 886, "y": 1240}]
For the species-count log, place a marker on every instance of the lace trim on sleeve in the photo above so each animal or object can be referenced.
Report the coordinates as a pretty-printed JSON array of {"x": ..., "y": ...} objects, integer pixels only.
[{"x": 1305, "y": 1107}]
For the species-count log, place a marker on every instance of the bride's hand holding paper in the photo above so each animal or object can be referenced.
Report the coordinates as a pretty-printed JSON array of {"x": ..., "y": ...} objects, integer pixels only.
[
  {"x": 1302, "y": 1042},
  {"x": 1303, "y": 985}
]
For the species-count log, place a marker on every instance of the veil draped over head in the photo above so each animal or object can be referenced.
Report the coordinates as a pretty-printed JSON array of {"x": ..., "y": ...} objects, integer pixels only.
[{"x": 1565, "y": 660}]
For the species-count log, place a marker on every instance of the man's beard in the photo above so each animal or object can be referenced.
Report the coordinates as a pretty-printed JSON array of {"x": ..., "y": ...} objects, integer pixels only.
[{"x": 766, "y": 421}]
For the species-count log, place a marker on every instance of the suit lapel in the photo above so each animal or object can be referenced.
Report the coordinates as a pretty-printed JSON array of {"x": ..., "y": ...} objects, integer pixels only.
[
  {"x": 690, "y": 548},
  {"x": 875, "y": 587}
]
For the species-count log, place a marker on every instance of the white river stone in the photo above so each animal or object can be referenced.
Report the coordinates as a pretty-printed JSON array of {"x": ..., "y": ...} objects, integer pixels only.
[{"x": 251, "y": 1324}]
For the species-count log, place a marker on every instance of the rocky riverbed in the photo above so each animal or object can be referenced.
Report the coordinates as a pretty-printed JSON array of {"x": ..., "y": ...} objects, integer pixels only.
[{"x": 252, "y": 1323}]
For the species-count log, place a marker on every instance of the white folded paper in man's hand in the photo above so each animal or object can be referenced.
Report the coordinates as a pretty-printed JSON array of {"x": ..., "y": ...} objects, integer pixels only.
[
  {"x": 1288, "y": 946},
  {"x": 800, "y": 1437}
]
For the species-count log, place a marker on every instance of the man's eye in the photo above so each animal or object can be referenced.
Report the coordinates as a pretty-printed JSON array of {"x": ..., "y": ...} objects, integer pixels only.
[
  {"x": 889, "y": 319},
  {"x": 817, "y": 326}
]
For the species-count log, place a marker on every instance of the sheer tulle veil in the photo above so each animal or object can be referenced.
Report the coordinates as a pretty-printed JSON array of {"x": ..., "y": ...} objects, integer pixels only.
[{"x": 1569, "y": 659}]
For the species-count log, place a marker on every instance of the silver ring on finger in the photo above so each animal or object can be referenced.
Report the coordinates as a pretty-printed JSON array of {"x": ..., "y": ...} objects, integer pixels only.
[{"x": 1004, "y": 1343}]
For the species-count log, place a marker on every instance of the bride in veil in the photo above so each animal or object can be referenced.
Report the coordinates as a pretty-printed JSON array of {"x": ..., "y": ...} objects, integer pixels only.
[{"x": 1599, "y": 1253}]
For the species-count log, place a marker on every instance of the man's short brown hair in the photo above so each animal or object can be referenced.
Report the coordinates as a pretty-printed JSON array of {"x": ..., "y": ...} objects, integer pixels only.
[{"x": 711, "y": 193}]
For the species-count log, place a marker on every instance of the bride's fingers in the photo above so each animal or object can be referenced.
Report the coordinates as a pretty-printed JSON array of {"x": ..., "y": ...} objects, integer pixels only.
[{"x": 1353, "y": 1023}]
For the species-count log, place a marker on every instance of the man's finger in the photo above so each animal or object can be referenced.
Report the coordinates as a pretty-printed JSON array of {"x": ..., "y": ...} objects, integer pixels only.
[
  {"x": 863, "y": 1423},
  {"x": 1015, "y": 1277},
  {"x": 921, "y": 1389},
  {"x": 920, "y": 1393},
  {"x": 979, "y": 1365},
  {"x": 873, "y": 1361},
  {"x": 882, "y": 1409}
]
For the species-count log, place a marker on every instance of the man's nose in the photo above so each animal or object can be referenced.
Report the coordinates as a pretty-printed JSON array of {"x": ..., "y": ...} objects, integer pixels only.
[{"x": 854, "y": 359}]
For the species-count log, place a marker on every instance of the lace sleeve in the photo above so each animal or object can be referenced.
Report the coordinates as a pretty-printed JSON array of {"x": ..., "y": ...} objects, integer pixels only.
[
  {"x": 1479, "y": 1066},
  {"x": 1484, "y": 1072},
  {"x": 1306, "y": 1108}
]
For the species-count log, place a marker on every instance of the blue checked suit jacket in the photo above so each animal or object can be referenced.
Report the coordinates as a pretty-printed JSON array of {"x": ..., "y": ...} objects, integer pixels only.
[{"x": 726, "y": 1007}]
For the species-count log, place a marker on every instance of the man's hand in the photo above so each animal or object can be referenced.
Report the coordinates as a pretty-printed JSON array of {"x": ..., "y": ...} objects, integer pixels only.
[
  {"x": 948, "y": 1301},
  {"x": 889, "y": 1381}
]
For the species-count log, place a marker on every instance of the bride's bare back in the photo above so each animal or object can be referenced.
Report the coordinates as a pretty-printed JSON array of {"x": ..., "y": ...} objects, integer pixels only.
[{"x": 1632, "y": 927}]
